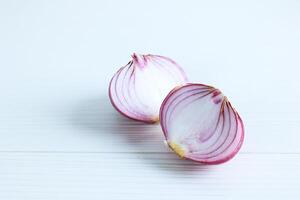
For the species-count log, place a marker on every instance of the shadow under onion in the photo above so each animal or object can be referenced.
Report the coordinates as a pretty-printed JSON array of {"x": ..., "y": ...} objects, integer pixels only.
[{"x": 145, "y": 140}]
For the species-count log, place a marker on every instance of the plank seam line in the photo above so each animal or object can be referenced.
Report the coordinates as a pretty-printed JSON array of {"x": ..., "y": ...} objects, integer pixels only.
[{"x": 99, "y": 152}]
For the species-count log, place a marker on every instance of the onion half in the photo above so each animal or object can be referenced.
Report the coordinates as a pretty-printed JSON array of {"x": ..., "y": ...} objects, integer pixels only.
[
  {"x": 138, "y": 89},
  {"x": 200, "y": 124}
]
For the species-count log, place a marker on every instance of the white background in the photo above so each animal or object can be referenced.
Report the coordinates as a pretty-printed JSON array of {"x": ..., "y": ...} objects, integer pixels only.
[{"x": 61, "y": 139}]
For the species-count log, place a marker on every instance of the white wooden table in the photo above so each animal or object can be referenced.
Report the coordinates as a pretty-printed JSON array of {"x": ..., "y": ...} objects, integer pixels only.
[{"x": 61, "y": 139}]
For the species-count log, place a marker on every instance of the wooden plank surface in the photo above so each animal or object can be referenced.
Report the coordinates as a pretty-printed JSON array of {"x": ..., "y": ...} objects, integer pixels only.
[
  {"x": 61, "y": 139},
  {"x": 94, "y": 126},
  {"x": 146, "y": 176}
]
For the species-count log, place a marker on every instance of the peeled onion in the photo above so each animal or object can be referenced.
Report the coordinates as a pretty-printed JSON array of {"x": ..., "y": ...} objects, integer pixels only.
[
  {"x": 138, "y": 89},
  {"x": 200, "y": 124}
]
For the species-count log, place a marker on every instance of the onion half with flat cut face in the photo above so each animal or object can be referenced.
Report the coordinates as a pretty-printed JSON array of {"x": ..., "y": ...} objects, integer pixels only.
[
  {"x": 200, "y": 124},
  {"x": 138, "y": 89}
]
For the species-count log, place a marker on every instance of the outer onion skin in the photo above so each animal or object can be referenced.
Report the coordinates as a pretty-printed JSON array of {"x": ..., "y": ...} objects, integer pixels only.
[
  {"x": 200, "y": 124},
  {"x": 138, "y": 89}
]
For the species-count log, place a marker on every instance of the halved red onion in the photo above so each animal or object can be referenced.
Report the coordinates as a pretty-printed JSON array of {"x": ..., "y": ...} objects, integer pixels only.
[
  {"x": 200, "y": 124},
  {"x": 138, "y": 89}
]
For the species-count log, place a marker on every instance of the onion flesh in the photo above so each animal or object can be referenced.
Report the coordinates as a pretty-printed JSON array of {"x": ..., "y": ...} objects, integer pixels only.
[
  {"x": 138, "y": 89},
  {"x": 200, "y": 124}
]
